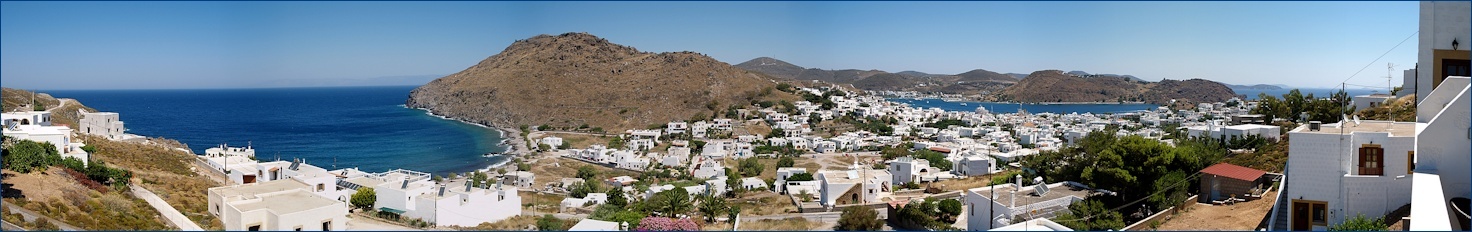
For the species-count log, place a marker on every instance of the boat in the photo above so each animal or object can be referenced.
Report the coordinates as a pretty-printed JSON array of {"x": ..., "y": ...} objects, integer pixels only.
[{"x": 963, "y": 104}]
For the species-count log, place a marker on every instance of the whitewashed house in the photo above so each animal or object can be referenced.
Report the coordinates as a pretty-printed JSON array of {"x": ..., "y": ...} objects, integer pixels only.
[
  {"x": 991, "y": 207},
  {"x": 1441, "y": 169},
  {"x": 105, "y": 124},
  {"x": 1336, "y": 171},
  {"x": 553, "y": 141},
  {"x": 276, "y": 205},
  {"x": 855, "y": 186}
]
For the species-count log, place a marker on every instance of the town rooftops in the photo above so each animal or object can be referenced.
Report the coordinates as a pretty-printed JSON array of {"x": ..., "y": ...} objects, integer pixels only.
[
  {"x": 1026, "y": 196},
  {"x": 285, "y": 202},
  {"x": 1234, "y": 172},
  {"x": 251, "y": 190},
  {"x": 1396, "y": 129}
]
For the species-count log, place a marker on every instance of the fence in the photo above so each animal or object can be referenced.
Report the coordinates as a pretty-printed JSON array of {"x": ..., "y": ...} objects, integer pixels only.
[{"x": 1161, "y": 216}]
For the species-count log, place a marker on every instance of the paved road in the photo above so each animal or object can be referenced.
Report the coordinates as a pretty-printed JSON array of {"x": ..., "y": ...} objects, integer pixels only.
[
  {"x": 174, "y": 217},
  {"x": 31, "y": 217}
]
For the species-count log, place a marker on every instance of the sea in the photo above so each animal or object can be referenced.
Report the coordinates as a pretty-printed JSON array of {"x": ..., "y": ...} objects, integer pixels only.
[
  {"x": 337, "y": 127},
  {"x": 997, "y": 107}
]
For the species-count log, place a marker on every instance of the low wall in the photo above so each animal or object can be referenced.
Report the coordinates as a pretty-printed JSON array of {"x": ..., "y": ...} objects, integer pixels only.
[{"x": 1162, "y": 215}]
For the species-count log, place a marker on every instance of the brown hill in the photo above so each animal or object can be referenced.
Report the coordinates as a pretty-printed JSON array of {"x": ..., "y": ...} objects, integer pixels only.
[
  {"x": 973, "y": 82},
  {"x": 1057, "y": 86},
  {"x": 577, "y": 78}
]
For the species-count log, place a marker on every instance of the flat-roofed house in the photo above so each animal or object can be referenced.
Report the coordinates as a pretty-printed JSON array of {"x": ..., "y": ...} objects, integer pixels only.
[{"x": 276, "y": 205}]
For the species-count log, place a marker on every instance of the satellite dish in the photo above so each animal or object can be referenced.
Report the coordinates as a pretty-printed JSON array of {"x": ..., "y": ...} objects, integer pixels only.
[{"x": 1356, "y": 120}]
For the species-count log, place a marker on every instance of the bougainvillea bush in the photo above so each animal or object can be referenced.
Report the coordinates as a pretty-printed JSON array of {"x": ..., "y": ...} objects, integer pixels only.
[{"x": 667, "y": 224}]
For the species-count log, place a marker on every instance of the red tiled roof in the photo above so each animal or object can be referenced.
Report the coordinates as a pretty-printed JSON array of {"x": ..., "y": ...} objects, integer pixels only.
[
  {"x": 1234, "y": 171},
  {"x": 940, "y": 149}
]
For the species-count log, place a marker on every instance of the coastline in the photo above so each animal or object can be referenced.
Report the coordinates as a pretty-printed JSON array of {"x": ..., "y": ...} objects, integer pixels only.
[{"x": 512, "y": 142}]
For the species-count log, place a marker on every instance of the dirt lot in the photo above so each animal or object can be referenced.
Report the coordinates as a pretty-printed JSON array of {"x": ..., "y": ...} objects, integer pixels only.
[
  {"x": 1241, "y": 216},
  {"x": 764, "y": 203},
  {"x": 789, "y": 224},
  {"x": 554, "y": 169},
  {"x": 40, "y": 186}
]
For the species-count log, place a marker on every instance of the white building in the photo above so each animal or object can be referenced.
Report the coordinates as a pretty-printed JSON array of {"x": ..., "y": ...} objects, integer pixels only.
[
  {"x": 1443, "y": 51},
  {"x": 553, "y": 141},
  {"x": 751, "y": 183},
  {"x": 1442, "y": 161},
  {"x": 996, "y": 206},
  {"x": 105, "y": 124},
  {"x": 1242, "y": 131},
  {"x": 40, "y": 118},
  {"x": 676, "y": 127},
  {"x": 595, "y": 225},
  {"x": 1336, "y": 171},
  {"x": 411, "y": 194},
  {"x": 1363, "y": 102},
  {"x": 906, "y": 169},
  {"x": 519, "y": 179},
  {"x": 975, "y": 165},
  {"x": 60, "y": 137},
  {"x": 855, "y": 186},
  {"x": 276, "y": 205}
]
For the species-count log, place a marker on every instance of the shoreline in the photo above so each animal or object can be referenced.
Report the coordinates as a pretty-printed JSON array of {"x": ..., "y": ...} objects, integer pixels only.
[
  {"x": 1032, "y": 103},
  {"x": 512, "y": 143}
]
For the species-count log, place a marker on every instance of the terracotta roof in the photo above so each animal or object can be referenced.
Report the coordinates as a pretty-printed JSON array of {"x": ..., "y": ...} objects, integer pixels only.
[{"x": 1234, "y": 171}]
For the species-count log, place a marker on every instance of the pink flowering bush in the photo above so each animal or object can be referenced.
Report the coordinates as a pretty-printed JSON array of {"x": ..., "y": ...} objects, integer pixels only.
[{"x": 667, "y": 224}]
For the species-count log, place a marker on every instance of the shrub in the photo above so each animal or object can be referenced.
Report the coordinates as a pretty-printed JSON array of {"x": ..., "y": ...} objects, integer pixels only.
[
  {"x": 786, "y": 162},
  {"x": 364, "y": 198},
  {"x": 667, "y": 224},
  {"x": 1360, "y": 223},
  {"x": 858, "y": 218},
  {"x": 549, "y": 223}
]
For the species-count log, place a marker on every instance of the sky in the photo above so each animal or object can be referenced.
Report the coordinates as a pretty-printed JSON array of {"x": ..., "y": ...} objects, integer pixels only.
[{"x": 188, "y": 45}]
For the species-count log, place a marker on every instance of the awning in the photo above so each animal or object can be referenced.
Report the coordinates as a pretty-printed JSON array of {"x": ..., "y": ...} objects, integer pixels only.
[{"x": 390, "y": 210}]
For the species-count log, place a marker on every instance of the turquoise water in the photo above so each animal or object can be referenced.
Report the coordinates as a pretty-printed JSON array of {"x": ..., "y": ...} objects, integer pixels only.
[{"x": 364, "y": 127}]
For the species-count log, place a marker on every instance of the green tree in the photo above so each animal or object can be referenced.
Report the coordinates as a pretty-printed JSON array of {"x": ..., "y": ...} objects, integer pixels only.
[
  {"x": 549, "y": 223},
  {"x": 1360, "y": 223},
  {"x": 786, "y": 162},
  {"x": 616, "y": 143},
  {"x": 616, "y": 198},
  {"x": 858, "y": 219},
  {"x": 1102, "y": 218},
  {"x": 777, "y": 133},
  {"x": 949, "y": 208},
  {"x": 750, "y": 167},
  {"x": 582, "y": 189},
  {"x": 936, "y": 159},
  {"x": 364, "y": 198},
  {"x": 479, "y": 179},
  {"x": 712, "y": 207},
  {"x": 671, "y": 202},
  {"x": 587, "y": 172},
  {"x": 733, "y": 181},
  {"x": 800, "y": 177},
  {"x": 26, "y": 156}
]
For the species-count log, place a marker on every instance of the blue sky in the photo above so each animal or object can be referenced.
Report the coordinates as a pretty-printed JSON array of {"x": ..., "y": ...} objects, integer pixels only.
[{"x": 169, "y": 45}]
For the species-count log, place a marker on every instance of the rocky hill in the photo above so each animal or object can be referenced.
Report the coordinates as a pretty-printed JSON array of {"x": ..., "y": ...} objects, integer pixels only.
[
  {"x": 1057, "y": 86},
  {"x": 970, "y": 83},
  {"x": 578, "y": 78},
  {"x": 1256, "y": 87}
]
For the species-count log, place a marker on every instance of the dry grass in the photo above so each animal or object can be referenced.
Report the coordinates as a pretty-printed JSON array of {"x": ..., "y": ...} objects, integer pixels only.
[
  {"x": 575, "y": 141},
  {"x": 166, "y": 172},
  {"x": 554, "y": 169},
  {"x": 763, "y": 203},
  {"x": 516, "y": 223},
  {"x": 788, "y": 224},
  {"x": 54, "y": 195},
  {"x": 1241, "y": 216}
]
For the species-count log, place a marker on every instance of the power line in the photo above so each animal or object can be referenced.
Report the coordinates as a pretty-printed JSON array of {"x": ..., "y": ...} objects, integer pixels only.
[{"x": 1382, "y": 55}]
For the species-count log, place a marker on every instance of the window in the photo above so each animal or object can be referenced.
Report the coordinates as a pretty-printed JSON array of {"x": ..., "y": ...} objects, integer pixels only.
[
  {"x": 254, "y": 228},
  {"x": 298, "y": 228},
  {"x": 320, "y": 187},
  {"x": 327, "y": 225},
  {"x": 973, "y": 209},
  {"x": 1372, "y": 160},
  {"x": 1410, "y": 161},
  {"x": 1320, "y": 212}
]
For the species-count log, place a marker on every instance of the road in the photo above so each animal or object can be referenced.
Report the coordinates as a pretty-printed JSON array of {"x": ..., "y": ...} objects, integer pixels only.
[
  {"x": 63, "y": 101},
  {"x": 31, "y": 217},
  {"x": 174, "y": 217}
]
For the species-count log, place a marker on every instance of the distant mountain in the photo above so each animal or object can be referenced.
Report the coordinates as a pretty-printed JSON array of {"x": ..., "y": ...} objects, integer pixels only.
[
  {"x": 973, "y": 82},
  {"x": 577, "y": 79},
  {"x": 1058, "y": 86},
  {"x": 916, "y": 74},
  {"x": 1019, "y": 76},
  {"x": 1086, "y": 74},
  {"x": 1256, "y": 87}
]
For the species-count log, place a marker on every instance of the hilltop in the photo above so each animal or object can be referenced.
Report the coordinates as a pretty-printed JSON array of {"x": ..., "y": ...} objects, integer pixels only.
[
  {"x": 973, "y": 82},
  {"x": 1256, "y": 87},
  {"x": 1057, "y": 86},
  {"x": 577, "y": 79}
]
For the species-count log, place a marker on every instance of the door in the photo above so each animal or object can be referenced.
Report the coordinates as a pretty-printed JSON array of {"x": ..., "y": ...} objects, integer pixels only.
[
  {"x": 1216, "y": 192},
  {"x": 1300, "y": 216},
  {"x": 246, "y": 179}
]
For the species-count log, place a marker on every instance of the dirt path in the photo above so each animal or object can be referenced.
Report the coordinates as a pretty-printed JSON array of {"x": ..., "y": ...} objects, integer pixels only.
[
  {"x": 1241, "y": 216},
  {"x": 31, "y": 217},
  {"x": 63, "y": 101}
]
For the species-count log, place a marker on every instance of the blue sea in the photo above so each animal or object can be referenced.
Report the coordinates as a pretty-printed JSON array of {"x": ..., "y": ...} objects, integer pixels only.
[
  {"x": 995, "y": 107},
  {"x": 341, "y": 127}
]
